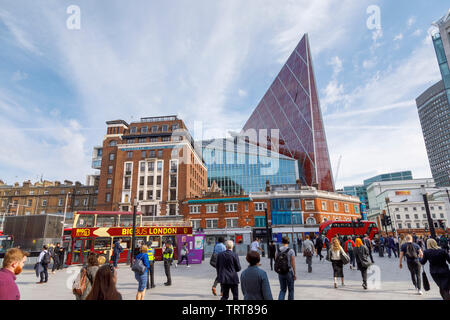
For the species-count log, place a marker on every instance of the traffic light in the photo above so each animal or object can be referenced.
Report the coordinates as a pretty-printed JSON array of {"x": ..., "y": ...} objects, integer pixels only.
[{"x": 388, "y": 221}]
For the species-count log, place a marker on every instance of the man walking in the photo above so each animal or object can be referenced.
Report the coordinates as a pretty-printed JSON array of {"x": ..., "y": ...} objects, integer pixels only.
[
  {"x": 412, "y": 252},
  {"x": 381, "y": 246},
  {"x": 271, "y": 253},
  {"x": 319, "y": 246},
  {"x": 391, "y": 246},
  {"x": 227, "y": 268},
  {"x": 308, "y": 252},
  {"x": 44, "y": 260},
  {"x": 184, "y": 254},
  {"x": 56, "y": 257},
  {"x": 13, "y": 262},
  {"x": 368, "y": 244},
  {"x": 287, "y": 280},
  {"x": 116, "y": 252},
  {"x": 327, "y": 244},
  {"x": 255, "y": 246},
  {"x": 218, "y": 248},
  {"x": 167, "y": 258}
]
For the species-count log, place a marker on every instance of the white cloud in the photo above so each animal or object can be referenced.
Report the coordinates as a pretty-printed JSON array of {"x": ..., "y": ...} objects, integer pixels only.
[
  {"x": 19, "y": 76},
  {"x": 242, "y": 93},
  {"x": 336, "y": 63},
  {"x": 398, "y": 37},
  {"x": 411, "y": 21},
  {"x": 369, "y": 63},
  {"x": 417, "y": 33}
]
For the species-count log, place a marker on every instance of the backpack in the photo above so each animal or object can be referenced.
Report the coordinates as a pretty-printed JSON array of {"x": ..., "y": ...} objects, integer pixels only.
[
  {"x": 411, "y": 251},
  {"x": 282, "y": 262},
  {"x": 80, "y": 283},
  {"x": 46, "y": 258},
  {"x": 349, "y": 246}
]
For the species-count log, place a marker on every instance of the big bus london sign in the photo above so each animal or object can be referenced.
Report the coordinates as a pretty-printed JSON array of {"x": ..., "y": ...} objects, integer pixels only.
[{"x": 140, "y": 231}]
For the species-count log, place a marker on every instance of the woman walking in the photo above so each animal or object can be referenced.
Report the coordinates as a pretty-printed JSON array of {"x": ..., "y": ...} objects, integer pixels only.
[
  {"x": 142, "y": 278},
  {"x": 362, "y": 259},
  {"x": 348, "y": 246},
  {"x": 104, "y": 287},
  {"x": 91, "y": 271},
  {"x": 438, "y": 267},
  {"x": 335, "y": 255}
]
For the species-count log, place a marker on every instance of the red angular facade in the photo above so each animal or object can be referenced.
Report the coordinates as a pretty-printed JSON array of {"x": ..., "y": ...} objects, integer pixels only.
[{"x": 292, "y": 105}]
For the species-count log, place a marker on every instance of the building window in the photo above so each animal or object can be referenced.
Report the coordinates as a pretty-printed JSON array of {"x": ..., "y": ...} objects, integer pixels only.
[
  {"x": 30, "y": 203},
  {"x": 397, "y": 209},
  {"x": 141, "y": 181},
  {"x": 356, "y": 209},
  {"x": 173, "y": 195},
  {"x": 231, "y": 207},
  {"x": 414, "y": 209},
  {"x": 260, "y": 206},
  {"x": 165, "y": 128},
  {"x": 160, "y": 153},
  {"x": 130, "y": 154},
  {"x": 141, "y": 195},
  {"x": 77, "y": 203},
  {"x": 407, "y": 216},
  {"x": 398, "y": 217},
  {"x": 158, "y": 194},
  {"x": 108, "y": 182},
  {"x": 143, "y": 154},
  {"x": 158, "y": 180},
  {"x": 165, "y": 139},
  {"x": 409, "y": 225},
  {"x": 154, "y": 128},
  {"x": 417, "y": 225},
  {"x": 246, "y": 207},
  {"x": 159, "y": 166},
  {"x": 151, "y": 166},
  {"x": 44, "y": 203},
  {"x": 113, "y": 143},
  {"x": 346, "y": 208},
  {"x": 406, "y": 209},
  {"x": 194, "y": 209},
  {"x": 150, "y": 195},
  {"x": 336, "y": 207},
  {"x": 46, "y": 192},
  {"x": 399, "y": 225},
  {"x": 110, "y": 169},
  {"x": 172, "y": 209},
  {"x": 60, "y": 202},
  {"x": 133, "y": 129},
  {"x": 211, "y": 223},
  {"x": 232, "y": 223},
  {"x": 152, "y": 154},
  {"x": 85, "y": 202},
  {"x": 144, "y": 129},
  {"x": 142, "y": 166},
  {"x": 310, "y": 220},
  {"x": 31, "y": 193},
  {"x": 108, "y": 197},
  {"x": 111, "y": 156},
  {"x": 153, "y": 139},
  {"x": 309, "y": 204},
  {"x": 324, "y": 205},
  {"x": 212, "y": 208},
  {"x": 416, "y": 216},
  {"x": 150, "y": 180},
  {"x": 196, "y": 224},
  {"x": 175, "y": 127}
]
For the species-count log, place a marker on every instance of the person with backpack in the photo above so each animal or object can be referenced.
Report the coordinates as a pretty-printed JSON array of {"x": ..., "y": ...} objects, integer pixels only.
[
  {"x": 337, "y": 256},
  {"x": 348, "y": 247},
  {"x": 85, "y": 280},
  {"x": 439, "y": 260},
  {"x": 381, "y": 246},
  {"x": 254, "y": 281},
  {"x": 218, "y": 248},
  {"x": 44, "y": 260},
  {"x": 369, "y": 246},
  {"x": 412, "y": 252},
  {"x": 308, "y": 252},
  {"x": 285, "y": 267},
  {"x": 141, "y": 265}
]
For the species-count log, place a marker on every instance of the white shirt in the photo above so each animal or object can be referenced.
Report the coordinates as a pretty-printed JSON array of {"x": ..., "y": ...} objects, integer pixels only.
[
  {"x": 254, "y": 246},
  {"x": 41, "y": 255}
]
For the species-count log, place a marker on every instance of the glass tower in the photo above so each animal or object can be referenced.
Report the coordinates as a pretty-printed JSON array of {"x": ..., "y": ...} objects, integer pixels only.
[
  {"x": 239, "y": 167},
  {"x": 291, "y": 105}
]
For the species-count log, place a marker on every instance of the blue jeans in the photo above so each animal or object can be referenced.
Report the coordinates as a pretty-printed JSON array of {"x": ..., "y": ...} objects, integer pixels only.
[{"x": 286, "y": 282}]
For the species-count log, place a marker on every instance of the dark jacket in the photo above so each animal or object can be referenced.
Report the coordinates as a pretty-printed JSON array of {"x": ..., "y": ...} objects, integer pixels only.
[
  {"x": 255, "y": 284},
  {"x": 227, "y": 267},
  {"x": 117, "y": 250},
  {"x": 319, "y": 244},
  {"x": 362, "y": 257},
  {"x": 272, "y": 250},
  {"x": 438, "y": 260}
]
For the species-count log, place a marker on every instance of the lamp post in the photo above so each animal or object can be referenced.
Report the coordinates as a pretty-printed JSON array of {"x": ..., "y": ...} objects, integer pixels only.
[
  {"x": 427, "y": 209},
  {"x": 133, "y": 238},
  {"x": 267, "y": 228},
  {"x": 293, "y": 240},
  {"x": 389, "y": 214},
  {"x": 65, "y": 211}
]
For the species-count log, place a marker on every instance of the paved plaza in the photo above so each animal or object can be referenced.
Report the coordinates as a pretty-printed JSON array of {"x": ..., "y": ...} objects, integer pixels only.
[{"x": 195, "y": 283}]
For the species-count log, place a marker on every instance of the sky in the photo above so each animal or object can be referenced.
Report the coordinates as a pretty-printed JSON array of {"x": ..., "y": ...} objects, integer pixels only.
[{"x": 210, "y": 61}]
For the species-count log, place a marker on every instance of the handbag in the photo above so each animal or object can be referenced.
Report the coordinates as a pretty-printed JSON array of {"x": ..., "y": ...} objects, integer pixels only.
[
  {"x": 344, "y": 257},
  {"x": 213, "y": 260},
  {"x": 426, "y": 283},
  {"x": 138, "y": 266}
]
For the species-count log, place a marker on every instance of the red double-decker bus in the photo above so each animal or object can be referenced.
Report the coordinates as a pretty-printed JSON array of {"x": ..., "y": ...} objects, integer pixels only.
[
  {"x": 348, "y": 228},
  {"x": 97, "y": 231}
]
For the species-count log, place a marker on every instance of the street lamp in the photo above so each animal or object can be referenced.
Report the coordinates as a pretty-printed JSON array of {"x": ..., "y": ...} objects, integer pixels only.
[
  {"x": 293, "y": 240},
  {"x": 389, "y": 214},
  {"x": 65, "y": 211},
  {"x": 133, "y": 238},
  {"x": 427, "y": 209}
]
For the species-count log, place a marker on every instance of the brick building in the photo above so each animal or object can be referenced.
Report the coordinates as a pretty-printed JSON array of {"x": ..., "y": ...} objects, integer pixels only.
[
  {"x": 47, "y": 197},
  {"x": 154, "y": 161}
]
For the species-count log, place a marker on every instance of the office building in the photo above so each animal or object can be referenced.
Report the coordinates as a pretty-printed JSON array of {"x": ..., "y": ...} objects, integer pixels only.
[{"x": 291, "y": 105}]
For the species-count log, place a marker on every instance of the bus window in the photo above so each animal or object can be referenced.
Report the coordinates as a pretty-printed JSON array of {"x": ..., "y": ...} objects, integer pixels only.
[
  {"x": 106, "y": 221},
  {"x": 155, "y": 241},
  {"x": 126, "y": 242},
  {"x": 169, "y": 238},
  {"x": 140, "y": 241},
  {"x": 102, "y": 244},
  {"x": 127, "y": 221},
  {"x": 85, "y": 221}
]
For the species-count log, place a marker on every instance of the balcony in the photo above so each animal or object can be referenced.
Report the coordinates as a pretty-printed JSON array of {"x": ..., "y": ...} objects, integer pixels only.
[{"x": 97, "y": 163}]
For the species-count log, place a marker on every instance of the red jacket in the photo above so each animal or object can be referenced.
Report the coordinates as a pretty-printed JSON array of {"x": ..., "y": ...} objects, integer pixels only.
[{"x": 346, "y": 243}]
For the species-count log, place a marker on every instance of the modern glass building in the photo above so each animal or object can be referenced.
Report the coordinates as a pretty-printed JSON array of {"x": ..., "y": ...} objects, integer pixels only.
[
  {"x": 361, "y": 190},
  {"x": 434, "y": 109},
  {"x": 240, "y": 168},
  {"x": 291, "y": 105}
]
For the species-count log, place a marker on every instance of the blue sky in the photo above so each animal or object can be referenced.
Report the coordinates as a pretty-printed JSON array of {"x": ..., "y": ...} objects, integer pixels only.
[{"x": 209, "y": 61}]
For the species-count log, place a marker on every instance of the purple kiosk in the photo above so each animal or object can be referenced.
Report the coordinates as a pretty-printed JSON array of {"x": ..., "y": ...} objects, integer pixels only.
[{"x": 195, "y": 244}]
